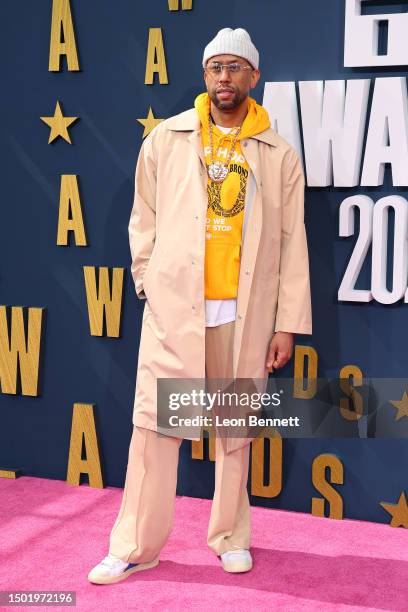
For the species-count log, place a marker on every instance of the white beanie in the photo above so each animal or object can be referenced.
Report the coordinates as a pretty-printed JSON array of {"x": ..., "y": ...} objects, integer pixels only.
[{"x": 236, "y": 42}]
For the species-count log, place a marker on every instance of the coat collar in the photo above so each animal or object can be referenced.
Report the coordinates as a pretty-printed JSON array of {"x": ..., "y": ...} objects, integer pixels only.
[{"x": 189, "y": 121}]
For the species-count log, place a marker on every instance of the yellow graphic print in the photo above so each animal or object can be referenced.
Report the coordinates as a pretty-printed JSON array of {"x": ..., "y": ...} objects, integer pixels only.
[
  {"x": 226, "y": 200},
  {"x": 214, "y": 198},
  {"x": 225, "y": 214}
]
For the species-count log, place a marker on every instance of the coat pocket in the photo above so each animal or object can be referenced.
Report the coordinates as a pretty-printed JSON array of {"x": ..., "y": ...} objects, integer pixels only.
[{"x": 151, "y": 268}]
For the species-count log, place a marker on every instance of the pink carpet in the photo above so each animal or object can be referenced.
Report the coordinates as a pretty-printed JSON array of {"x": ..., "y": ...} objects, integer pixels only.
[{"x": 53, "y": 533}]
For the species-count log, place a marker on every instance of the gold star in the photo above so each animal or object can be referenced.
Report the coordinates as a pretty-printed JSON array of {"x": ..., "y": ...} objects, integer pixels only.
[
  {"x": 402, "y": 406},
  {"x": 149, "y": 123},
  {"x": 399, "y": 512},
  {"x": 59, "y": 124}
]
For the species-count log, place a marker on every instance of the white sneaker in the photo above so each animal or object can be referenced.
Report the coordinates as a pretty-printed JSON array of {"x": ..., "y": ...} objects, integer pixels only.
[
  {"x": 112, "y": 569},
  {"x": 238, "y": 560}
]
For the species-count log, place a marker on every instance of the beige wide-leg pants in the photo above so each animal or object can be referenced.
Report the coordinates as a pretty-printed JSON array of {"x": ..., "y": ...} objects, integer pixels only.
[{"x": 145, "y": 516}]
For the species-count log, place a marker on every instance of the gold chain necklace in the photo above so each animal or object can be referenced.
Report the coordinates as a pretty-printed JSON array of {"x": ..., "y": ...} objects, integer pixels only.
[{"x": 218, "y": 170}]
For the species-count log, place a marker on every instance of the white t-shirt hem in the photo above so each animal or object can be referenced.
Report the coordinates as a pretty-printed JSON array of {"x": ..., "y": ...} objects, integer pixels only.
[{"x": 219, "y": 322}]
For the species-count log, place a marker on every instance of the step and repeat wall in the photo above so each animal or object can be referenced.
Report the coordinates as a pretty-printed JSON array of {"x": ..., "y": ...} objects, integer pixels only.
[{"x": 83, "y": 84}]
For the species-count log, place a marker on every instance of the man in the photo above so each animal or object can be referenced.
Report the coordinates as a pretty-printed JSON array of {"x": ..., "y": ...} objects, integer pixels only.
[{"x": 219, "y": 252}]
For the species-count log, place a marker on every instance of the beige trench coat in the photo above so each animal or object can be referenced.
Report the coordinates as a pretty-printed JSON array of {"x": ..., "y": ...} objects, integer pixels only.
[{"x": 167, "y": 243}]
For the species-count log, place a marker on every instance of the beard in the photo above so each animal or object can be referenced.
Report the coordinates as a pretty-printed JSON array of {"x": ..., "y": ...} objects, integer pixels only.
[{"x": 236, "y": 100}]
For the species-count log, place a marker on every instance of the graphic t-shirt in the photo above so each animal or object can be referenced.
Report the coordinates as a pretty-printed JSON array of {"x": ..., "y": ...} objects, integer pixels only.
[
  {"x": 219, "y": 311},
  {"x": 225, "y": 215},
  {"x": 228, "y": 206}
]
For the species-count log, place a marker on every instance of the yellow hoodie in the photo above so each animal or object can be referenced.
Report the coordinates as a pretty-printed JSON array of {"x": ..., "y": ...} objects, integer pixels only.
[{"x": 226, "y": 200}]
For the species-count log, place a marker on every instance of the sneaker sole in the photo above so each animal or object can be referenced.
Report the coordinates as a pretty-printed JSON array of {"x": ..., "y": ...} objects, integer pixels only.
[
  {"x": 237, "y": 568},
  {"x": 132, "y": 570}
]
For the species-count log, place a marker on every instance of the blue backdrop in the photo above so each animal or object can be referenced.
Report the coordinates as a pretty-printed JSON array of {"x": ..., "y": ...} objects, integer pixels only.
[{"x": 297, "y": 40}]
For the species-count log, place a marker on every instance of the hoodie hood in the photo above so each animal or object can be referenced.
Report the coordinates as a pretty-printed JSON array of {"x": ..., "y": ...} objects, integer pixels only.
[{"x": 256, "y": 120}]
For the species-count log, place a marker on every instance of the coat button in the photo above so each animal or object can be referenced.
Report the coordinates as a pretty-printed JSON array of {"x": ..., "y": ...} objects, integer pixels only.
[
  {"x": 239, "y": 317},
  {"x": 247, "y": 272},
  {"x": 193, "y": 307},
  {"x": 245, "y": 144},
  {"x": 195, "y": 216}
]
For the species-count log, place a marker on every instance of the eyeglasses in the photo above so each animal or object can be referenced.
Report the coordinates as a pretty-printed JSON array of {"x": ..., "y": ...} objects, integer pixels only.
[{"x": 216, "y": 67}]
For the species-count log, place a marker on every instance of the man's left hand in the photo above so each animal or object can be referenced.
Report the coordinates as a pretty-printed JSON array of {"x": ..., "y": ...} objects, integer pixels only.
[{"x": 280, "y": 349}]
